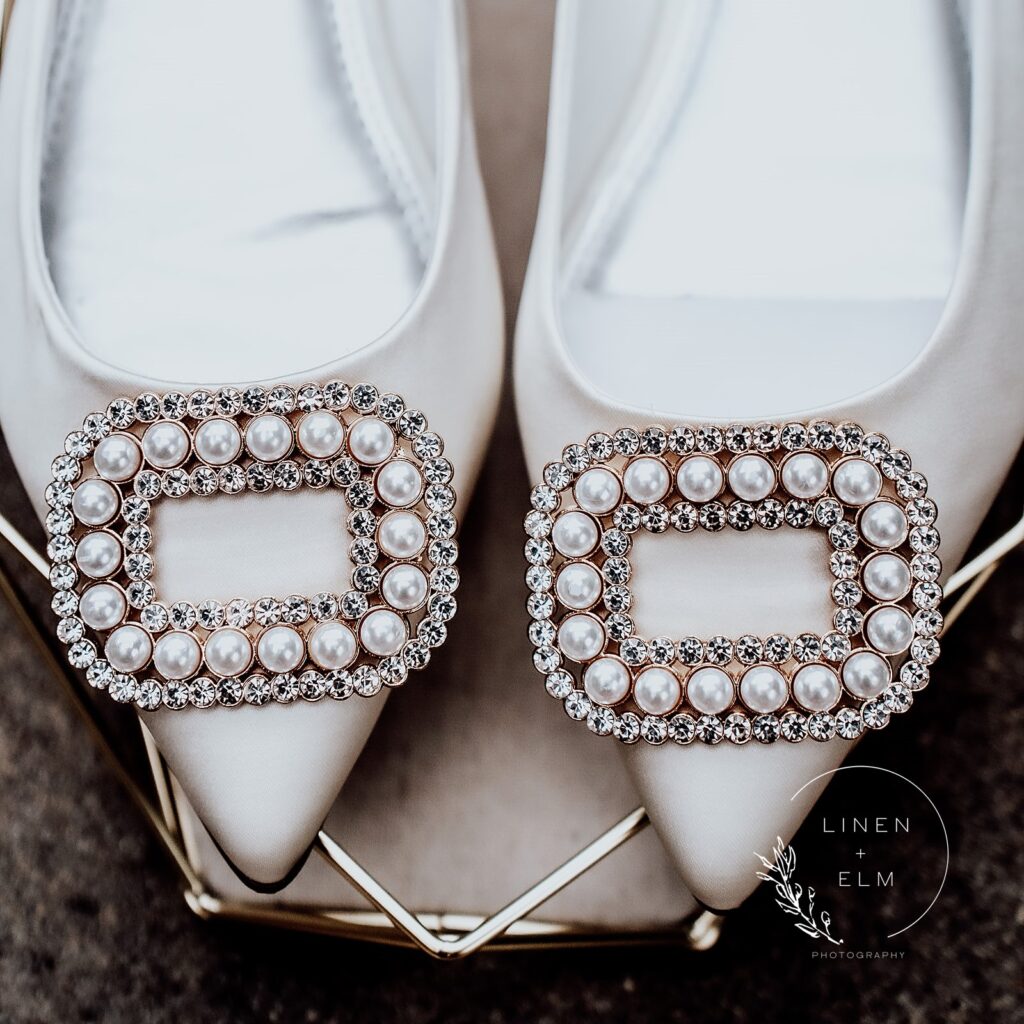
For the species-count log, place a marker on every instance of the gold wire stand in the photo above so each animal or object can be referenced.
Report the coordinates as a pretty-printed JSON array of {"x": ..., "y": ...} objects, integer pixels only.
[{"x": 445, "y": 936}]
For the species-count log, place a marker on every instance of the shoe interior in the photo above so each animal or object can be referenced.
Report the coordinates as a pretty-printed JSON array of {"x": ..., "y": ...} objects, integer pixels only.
[
  {"x": 764, "y": 200},
  {"x": 235, "y": 191}
]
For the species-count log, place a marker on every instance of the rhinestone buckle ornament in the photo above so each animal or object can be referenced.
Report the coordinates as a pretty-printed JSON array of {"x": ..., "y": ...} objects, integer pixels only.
[
  {"x": 397, "y": 486},
  {"x": 855, "y": 486}
]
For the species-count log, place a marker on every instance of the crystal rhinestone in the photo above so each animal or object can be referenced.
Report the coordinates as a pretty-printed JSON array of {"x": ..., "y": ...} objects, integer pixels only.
[
  {"x": 765, "y": 437},
  {"x": 619, "y": 626},
  {"x": 873, "y": 447},
  {"x": 924, "y": 539},
  {"x": 353, "y": 604},
  {"x": 393, "y": 671},
  {"x": 338, "y": 685},
  {"x": 778, "y": 648},
  {"x": 911, "y": 485},
  {"x": 364, "y": 551},
  {"x": 412, "y": 423},
  {"x": 239, "y": 613},
  {"x": 123, "y": 688},
  {"x": 577, "y": 705},
  {"x": 138, "y": 538},
  {"x": 793, "y": 726},
  {"x": 849, "y": 621},
  {"x": 138, "y": 566},
  {"x": 875, "y": 714},
  {"x": 653, "y": 440},
  {"x": 442, "y": 524},
  {"x": 541, "y": 633},
  {"x": 175, "y": 483},
  {"x": 309, "y": 398},
  {"x": 655, "y": 519},
  {"x": 691, "y": 650},
  {"x": 154, "y": 617},
  {"x": 427, "y": 447},
  {"x": 66, "y": 469},
  {"x": 738, "y": 438},
  {"x": 844, "y": 536},
  {"x": 765, "y": 728},
  {"x": 442, "y": 607},
  {"x": 681, "y": 440},
  {"x": 821, "y": 435},
  {"x": 616, "y": 570},
  {"x": 600, "y": 447},
  {"x": 443, "y": 552},
  {"x": 559, "y": 684},
  {"x": 121, "y": 413},
  {"x": 653, "y": 730},
  {"x": 770, "y": 514},
  {"x": 926, "y": 567},
  {"x": 844, "y": 565},
  {"x": 77, "y": 445},
  {"x": 140, "y": 593},
  {"x": 210, "y": 614},
  {"x": 540, "y": 606},
  {"x": 285, "y": 688},
  {"x": 312, "y": 685},
  {"x": 281, "y": 400},
  {"x": 740, "y": 515},
  {"x": 925, "y": 650},
  {"x": 601, "y": 721},
  {"x": 364, "y": 398},
  {"x": 712, "y": 516},
  {"x": 147, "y": 407},
  {"x": 360, "y": 494},
  {"x": 894, "y": 463},
  {"x": 60, "y": 548},
  {"x": 316, "y": 473},
  {"x": 203, "y": 480},
  {"x": 287, "y": 475},
  {"x": 709, "y": 440},
  {"x": 537, "y": 524},
  {"x": 849, "y": 437},
  {"x": 366, "y": 578},
  {"x": 538, "y": 552},
  {"x": 323, "y": 607},
  {"x": 228, "y": 401},
  {"x": 749, "y": 649},
  {"x": 633, "y": 650},
  {"x": 615, "y": 543},
  {"x": 710, "y": 729},
  {"x": 846, "y": 593},
  {"x": 627, "y": 728},
  {"x": 257, "y": 690},
  {"x": 82, "y": 654},
  {"x": 254, "y": 400},
  {"x": 617, "y": 599},
  {"x": 63, "y": 577},
  {"x": 914, "y": 675},
  {"x": 231, "y": 480},
  {"x": 543, "y": 498},
  {"x": 100, "y": 675},
  {"x": 684, "y": 517},
  {"x": 627, "y": 518},
  {"x": 661, "y": 650},
  {"x": 58, "y": 494},
  {"x": 229, "y": 692},
  {"x": 557, "y": 476},
  {"x": 362, "y": 523},
  {"x": 259, "y": 478},
  {"x": 135, "y": 510},
  {"x": 174, "y": 405},
  {"x": 921, "y": 512},
  {"x": 737, "y": 728},
  {"x": 97, "y": 426},
  {"x": 64, "y": 602},
  {"x": 149, "y": 696},
  {"x": 898, "y": 698},
  {"x": 835, "y": 646},
  {"x": 575, "y": 458},
  {"x": 415, "y": 654},
  {"x": 546, "y": 660},
  {"x": 793, "y": 436},
  {"x": 59, "y": 522},
  {"x": 928, "y": 622},
  {"x": 345, "y": 471},
  {"x": 183, "y": 615},
  {"x": 799, "y": 514},
  {"x": 437, "y": 471},
  {"x": 626, "y": 441},
  {"x": 719, "y": 650},
  {"x": 848, "y": 724},
  {"x": 202, "y": 692},
  {"x": 807, "y": 647},
  {"x": 268, "y": 611},
  {"x": 827, "y": 512},
  {"x": 821, "y": 726},
  {"x": 201, "y": 404},
  {"x": 336, "y": 394},
  {"x": 175, "y": 694},
  {"x": 682, "y": 729},
  {"x": 295, "y": 609}
]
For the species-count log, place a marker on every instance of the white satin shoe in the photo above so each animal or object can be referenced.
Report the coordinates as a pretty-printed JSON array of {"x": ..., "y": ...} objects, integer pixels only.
[
  {"x": 199, "y": 200},
  {"x": 757, "y": 215}
]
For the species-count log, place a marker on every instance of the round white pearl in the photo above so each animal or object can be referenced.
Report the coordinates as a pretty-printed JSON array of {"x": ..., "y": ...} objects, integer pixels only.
[
  {"x": 218, "y": 441},
  {"x": 606, "y": 681},
  {"x": 657, "y": 691},
  {"x": 280, "y": 649},
  {"x": 699, "y": 478},
  {"x": 574, "y": 534},
  {"x": 751, "y": 477},
  {"x": 128, "y": 648},
  {"x": 268, "y": 437},
  {"x": 371, "y": 441},
  {"x": 102, "y": 606},
  {"x": 95, "y": 502},
  {"x": 228, "y": 651},
  {"x": 866, "y": 674},
  {"x": 332, "y": 646},
  {"x": 646, "y": 480},
  {"x": 401, "y": 535},
  {"x": 117, "y": 457},
  {"x": 165, "y": 445},
  {"x": 177, "y": 655},
  {"x": 99, "y": 554},
  {"x": 321, "y": 434},
  {"x": 399, "y": 483},
  {"x": 889, "y": 630},
  {"x": 578, "y": 586},
  {"x": 581, "y": 637},
  {"x": 710, "y": 690},
  {"x": 856, "y": 482},
  {"x": 763, "y": 689},
  {"x": 816, "y": 687},
  {"x": 887, "y": 577},
  {"x": 884, "y": 525},
  {"x": 598, "y": 490},
  {"x": 404, "y": 587},
  {"x": 382, "y": 632},
  {"x": 805, "y": 475}
]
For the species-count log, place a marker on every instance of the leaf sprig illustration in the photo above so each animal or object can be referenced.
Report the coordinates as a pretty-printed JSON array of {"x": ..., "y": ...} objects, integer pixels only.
[{"x": 789, "y": 894}]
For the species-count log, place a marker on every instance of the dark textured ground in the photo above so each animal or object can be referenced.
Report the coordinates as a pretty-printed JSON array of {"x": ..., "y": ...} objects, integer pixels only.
[{"x": 92, "y": 927}]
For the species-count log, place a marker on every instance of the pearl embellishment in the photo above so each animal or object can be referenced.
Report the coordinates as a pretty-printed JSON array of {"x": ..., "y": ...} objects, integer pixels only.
[
  {"x": 401, "y": 535},
  {"x": 400, "y": 483},
  {"x": 646, "y": 480},
  {"x": 165, "y": 445},
  {"x": 218, "y": 441},
  {"x": 128, "y": 648},
  {"x": 383, "y": 632},
  {"x": 578, "y": 585},
  {"x": 280, "y": 649},
  {"x": 598, "y": 490},
  {"x": 581, "y": 637},
  {"x": 710, "y": 690},
  {"x": 371, "y": 441},
  {"x": 228, "y": 651},
  {"x": 575, "y": 534},
  {"x": 95, "y": 502},
  {"x": 816, "y": 687},
  {"x": 805, "y": 475},
  {"x": 657, "y": 691},
  {"x": 751, "y": 477},
  {"x": 332, "y": 645},
  {"x": 268, "y": 437},
  {"x": 321, "y": 434},
  {"x": 117, "y": 457},
  {"x": 699, "y": 478},
  {"x": 102, "y": 606},
  {"x": 607, "y": 681},
  {"x": 866, "y": 674}
]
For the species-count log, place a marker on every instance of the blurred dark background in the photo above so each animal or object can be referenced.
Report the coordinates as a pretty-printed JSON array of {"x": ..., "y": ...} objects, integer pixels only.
[{"x": 93, "y": 926}]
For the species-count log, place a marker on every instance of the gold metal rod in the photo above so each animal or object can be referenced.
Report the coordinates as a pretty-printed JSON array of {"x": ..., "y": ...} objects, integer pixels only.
[
  {"x": 989, "y": 558},
  {"x": 23, "y": 547}
]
